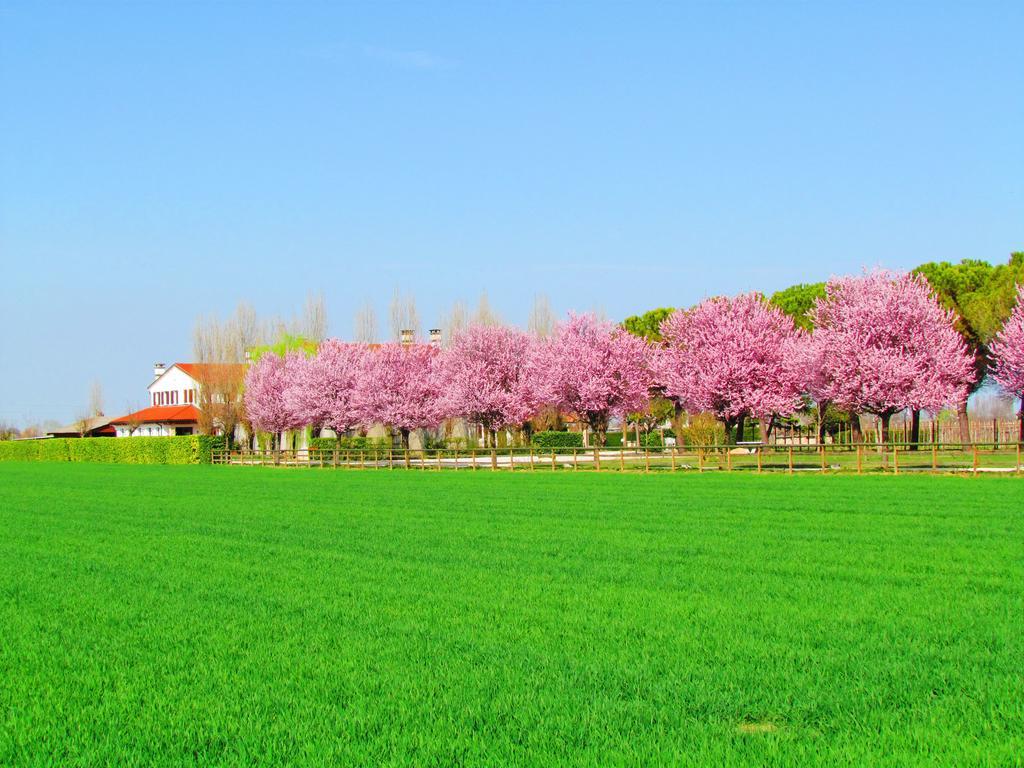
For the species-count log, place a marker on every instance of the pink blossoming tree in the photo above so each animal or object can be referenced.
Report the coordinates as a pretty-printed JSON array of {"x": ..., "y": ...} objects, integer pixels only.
[
  {"x": 595, "y": 370},
  {"x": 400, "y": 387},
  {"x": 884, "y": 344},
  {"x": 320, "y": 390},
  {"x": 490, "y": 378},
  {"x": 1007, "y": 353},
  {"x": 265, "y": 383},
  {"x": 728, "y": 356}
]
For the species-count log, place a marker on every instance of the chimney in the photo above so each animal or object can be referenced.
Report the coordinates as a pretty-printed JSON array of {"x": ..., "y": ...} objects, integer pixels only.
[
  {"x": 158, "y": 370},
  {"x": 435, "y": 337},
  {"x": 406, "y": 335}
]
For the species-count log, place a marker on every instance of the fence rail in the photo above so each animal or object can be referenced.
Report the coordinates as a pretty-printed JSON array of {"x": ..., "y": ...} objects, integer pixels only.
[{"x": 864, "y": 458}]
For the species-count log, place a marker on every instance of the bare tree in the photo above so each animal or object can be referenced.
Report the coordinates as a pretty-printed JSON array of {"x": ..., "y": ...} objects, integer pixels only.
[
  {"x": 404, "y": 315},
  {"x": 132, "y": 420},
  {"x": 484, "y": 314},
  {"x": 96, "y": 399},
  {"x": 8, "y": 431},
  {"x": 542, "y": 320},
  {"x": 82, "y": 425},
  {"x": 313, "y": 325},
  {"x": 456, "y": 322},
  {"x": 220, "y": 349},
  {"x": 365, "y": 325}
]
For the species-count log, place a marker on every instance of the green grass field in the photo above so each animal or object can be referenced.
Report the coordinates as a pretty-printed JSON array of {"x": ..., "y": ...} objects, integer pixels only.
[{"x": 156, "y": 615}]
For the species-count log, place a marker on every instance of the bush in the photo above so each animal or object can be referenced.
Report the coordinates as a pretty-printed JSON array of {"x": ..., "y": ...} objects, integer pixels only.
[
  {"x": 185, "y": 449},
  {"x": 558, "y": 439},
  {"x": 703, "y": 430},
  {"x": 356, "y": 443}
]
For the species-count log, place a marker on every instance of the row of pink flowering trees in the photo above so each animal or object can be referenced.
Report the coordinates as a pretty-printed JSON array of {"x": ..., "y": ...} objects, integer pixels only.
[{"x": 881, "y": 344}]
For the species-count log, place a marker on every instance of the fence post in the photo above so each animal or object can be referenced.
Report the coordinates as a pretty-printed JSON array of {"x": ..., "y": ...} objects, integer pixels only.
[
  {"x": 575, "y": 461},
  {"x": 860, "y": 449},
  {"x": 439, "y": 458},
  {"x": 700, "y": 459},
  {"x": 511, "y": 461},
  {"x": 647, "y": 459},
  {"x": 822, "y": 449},
  {"x": 758, "y": 452},
  {"x": 673, "y": 458},
  {"x": 531, "y": 457},
  {"x": 622, "y": 454},
  {"x": 1018, "y": 458},
  {"x": 728, "y": 459},
  {"x": 935, "y": 457},
  {"x": 975, "y": 447},
  {"x": 791, "y": 459},
  {"x": 895, "y": 458},
  {"x": 472, "y": 457},
  {"x": 553, "y": 466}
]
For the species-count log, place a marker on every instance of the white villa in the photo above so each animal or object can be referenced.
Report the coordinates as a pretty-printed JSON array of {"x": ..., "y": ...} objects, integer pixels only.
[{"x": 173, "y": 398}]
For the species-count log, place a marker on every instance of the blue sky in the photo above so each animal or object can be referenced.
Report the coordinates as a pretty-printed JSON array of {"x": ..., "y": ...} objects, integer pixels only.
[{"x": 158, "y": 162}]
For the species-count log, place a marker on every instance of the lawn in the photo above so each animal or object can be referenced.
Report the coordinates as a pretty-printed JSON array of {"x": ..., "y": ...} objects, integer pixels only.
[{"x": 154, "y": 615}]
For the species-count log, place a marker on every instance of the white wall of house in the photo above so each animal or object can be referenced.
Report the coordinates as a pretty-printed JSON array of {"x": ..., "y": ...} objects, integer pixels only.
[
  {"x": 150, "y": 430},
  {"x": 173, "y": 387}
]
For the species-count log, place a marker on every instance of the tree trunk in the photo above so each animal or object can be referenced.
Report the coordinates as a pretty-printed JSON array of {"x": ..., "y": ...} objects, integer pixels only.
[
  {"x": 915, "y": 428},
  {"x": 822, "y": 407},
  {"x": 884, "y": 426},
  {"x": 492, "y": 437},
  {"x": 856, "y": 431},
  {"x": 739, "y": 428},
  {"x": 762, "y": 425},
  {"x": 405, "y": 444},
  {"x": 727, "y": 423},
  {"x": 965, "y": 422},
  {"x": 1020, "y": 434}
]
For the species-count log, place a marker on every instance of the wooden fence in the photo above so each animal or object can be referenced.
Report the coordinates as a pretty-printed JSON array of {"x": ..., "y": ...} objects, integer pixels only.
[
  {"x": 860, "y": 459},
  {"x": 947, "y": 431}
]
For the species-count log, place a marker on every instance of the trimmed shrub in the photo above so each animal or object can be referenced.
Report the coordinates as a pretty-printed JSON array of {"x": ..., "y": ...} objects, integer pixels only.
[
  {"x": 356, "y": 443},
  {"x": 184, "y": 449},
  {"x": 558, "y": 439}
]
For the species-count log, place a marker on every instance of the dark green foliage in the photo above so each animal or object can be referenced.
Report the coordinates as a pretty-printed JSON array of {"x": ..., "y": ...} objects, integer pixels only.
[
  {"x": 558, "y": 439},
  {"x": 797, "y": 301},
  {"x": 170, "y": 616},
  {"x": 355, "y": 443},
  {"x": 186, "y": 449},
  {"x": 647, "y": 325}
]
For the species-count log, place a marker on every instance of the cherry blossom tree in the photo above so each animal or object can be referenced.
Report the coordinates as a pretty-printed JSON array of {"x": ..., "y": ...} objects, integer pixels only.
[
  {"x": 596, "y": 370},
  {"x": 400, "y": 387},
  {"x": 320, "y": 390},
  {"x": 728, "y": 356},
  {"x": 884, "y": 343},
  {"x": 1007, "y": 353},
  {"x": 265, "y": 383},
  {"x": 490, "y": 378}
]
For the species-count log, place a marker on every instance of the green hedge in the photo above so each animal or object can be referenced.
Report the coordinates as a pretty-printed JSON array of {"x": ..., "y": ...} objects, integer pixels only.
[
  {"x": 558, "y": 439},
  {"x": 357, "y": 443},
  {"x": 186, "y": 449}
]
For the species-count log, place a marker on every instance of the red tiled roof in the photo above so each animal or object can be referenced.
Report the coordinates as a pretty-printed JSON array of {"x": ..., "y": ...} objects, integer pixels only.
[
  {"x": 161, "y": 414},
  {"x": 195, "y": 370}
]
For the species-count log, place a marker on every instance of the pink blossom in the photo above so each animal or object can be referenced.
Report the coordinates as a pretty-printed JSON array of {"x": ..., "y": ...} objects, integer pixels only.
[
  {"x": 320, "y": 389},
  {"x": 400, "y": 387},
  {"x": 884, "y": 343},
  {"x": 490, "y": 377},
  {"x": 729, "y": 357},
  {"x": 1007, "y": 351},
  {"x": 264, "y": 392},
  {"x": 594, "y": 369}
]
